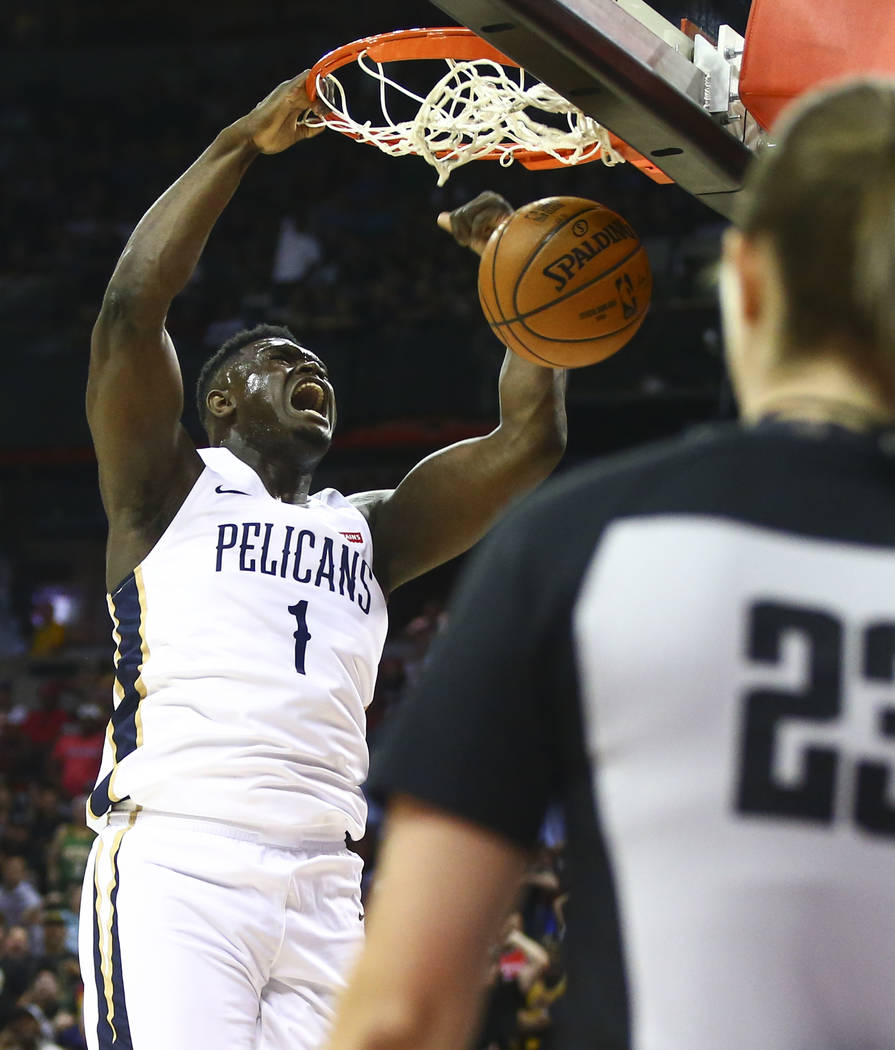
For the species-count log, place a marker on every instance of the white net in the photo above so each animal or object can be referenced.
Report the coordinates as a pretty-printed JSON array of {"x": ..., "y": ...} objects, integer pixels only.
[{"x": 475, "y": 110}]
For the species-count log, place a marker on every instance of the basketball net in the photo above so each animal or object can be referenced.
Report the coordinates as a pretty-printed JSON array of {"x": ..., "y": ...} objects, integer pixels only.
[{"x": 475, "y": 110}]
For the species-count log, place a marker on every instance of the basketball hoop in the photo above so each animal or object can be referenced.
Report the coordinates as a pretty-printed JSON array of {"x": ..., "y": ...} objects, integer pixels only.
[{"x": 481, "y": 108}]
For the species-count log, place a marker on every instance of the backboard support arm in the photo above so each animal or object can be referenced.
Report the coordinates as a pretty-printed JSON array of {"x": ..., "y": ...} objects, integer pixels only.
[{"x": 615, "y": 69}]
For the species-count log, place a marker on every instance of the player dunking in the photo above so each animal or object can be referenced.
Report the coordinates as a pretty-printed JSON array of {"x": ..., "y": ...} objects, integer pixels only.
[
  {"x": 221, "y": 906},
  {"x": 694, "y": 647}
]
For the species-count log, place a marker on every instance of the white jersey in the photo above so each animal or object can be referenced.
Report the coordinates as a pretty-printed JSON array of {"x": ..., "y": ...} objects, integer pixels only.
[{"x": 247, "y": 646}]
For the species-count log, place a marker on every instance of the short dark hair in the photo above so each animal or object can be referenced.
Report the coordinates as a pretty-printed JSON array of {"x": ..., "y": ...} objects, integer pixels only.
[
  {"x": 228, "y": 350},
  {"x": 825, "y": 196}
]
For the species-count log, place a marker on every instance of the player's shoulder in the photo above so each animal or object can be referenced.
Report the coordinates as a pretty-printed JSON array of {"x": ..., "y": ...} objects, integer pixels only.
[
  {"x": 368, "y": 502},
  {"x": 331, "y": 497}
]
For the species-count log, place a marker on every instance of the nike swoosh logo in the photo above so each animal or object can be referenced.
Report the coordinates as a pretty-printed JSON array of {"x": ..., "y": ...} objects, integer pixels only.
[{"x": 232, "y": 492}]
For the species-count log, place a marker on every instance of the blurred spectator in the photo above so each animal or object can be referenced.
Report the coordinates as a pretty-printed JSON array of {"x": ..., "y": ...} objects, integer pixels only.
[
  {"x": 62, "y": 963},
  {"x": 17, "y": 841},
  {"x": 17, "y": 964},
  {"x": 541, "y": 888},
  {"x": 390, "y": 683},
  {"x": 15, "y": 757},
  {"x": 23, "y": 1032},
  {"x": 522, "y": 958},
  {"x": 69, "y": 849},
  {"x": 536, "y": 1019},
  {"x": 418, "y": 636},
  {"x": 70, "y": 911},
  {"x": 5, "y": 812},
  {"x": 14, "y": 712},
  {"x": 78, "y": 753},
  {"x": 44, "y": 723},
  {"x": 296, "y": 253},
  {"x": 68, "y": 1032},
  {"x": 553, "y": 831},
  {"x": 516, "y": 964},
  {"x": 49, "y": 635},
  {"x": 11, "y": 641},
  {"x": 46, "y": 813},
  {"x": 20, "y": 902},
  {"x": 42, "y": 1001}
]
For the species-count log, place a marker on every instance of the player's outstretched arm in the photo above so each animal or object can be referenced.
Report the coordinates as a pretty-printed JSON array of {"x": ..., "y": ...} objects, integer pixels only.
[
  {"x": 147, "y": 461},
  {"x": 450, "y": 499}
]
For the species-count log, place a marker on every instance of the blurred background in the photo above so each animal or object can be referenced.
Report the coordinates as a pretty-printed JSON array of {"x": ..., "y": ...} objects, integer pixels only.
[{"x": 105, "y": 105}]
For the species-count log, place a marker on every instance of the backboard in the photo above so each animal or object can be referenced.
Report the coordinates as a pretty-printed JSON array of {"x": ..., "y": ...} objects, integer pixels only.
[
  {"x": 622, "y": 63},
  {"x": 832, "y": 38}
]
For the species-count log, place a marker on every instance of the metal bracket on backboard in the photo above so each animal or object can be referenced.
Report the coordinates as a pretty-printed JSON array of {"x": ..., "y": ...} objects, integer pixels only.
[
  {"x": 618, "y": 70},
  {"x": 721, "y": 65}
]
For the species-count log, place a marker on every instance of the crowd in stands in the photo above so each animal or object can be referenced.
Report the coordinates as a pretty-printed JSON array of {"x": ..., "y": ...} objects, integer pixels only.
[
  {"x": 49, "y": 755},
  {"x": 526, "y": 980}
]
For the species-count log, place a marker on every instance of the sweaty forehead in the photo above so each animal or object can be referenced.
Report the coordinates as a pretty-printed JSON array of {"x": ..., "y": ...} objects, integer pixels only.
[{"x": 273, "y": 343}]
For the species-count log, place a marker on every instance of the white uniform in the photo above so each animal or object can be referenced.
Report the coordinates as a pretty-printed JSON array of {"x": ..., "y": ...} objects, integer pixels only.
[{"x": 247, "y": 646}]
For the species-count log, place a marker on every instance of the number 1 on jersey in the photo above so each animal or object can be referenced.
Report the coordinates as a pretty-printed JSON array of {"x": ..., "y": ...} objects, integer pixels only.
[{"x": 301, "y": 634}]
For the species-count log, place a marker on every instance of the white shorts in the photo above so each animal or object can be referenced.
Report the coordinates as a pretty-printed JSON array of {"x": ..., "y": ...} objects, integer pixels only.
[{"x": 194, "y": 935}]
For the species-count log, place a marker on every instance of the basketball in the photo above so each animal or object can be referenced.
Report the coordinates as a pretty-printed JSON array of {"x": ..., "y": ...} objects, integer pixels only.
[{"x": 564, "y": 282}]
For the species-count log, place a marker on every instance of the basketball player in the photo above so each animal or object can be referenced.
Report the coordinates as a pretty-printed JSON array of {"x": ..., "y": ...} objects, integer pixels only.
[
  {"x": 694, "y": 646},
  {"x": 221, "y": 905}
]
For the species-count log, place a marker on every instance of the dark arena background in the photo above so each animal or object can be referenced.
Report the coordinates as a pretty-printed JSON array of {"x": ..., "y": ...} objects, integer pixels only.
[{"x": 105, "y": 105}]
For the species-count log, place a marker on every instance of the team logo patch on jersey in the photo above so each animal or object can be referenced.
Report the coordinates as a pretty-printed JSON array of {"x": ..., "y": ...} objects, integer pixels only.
[{"x": 353, "y": 537}]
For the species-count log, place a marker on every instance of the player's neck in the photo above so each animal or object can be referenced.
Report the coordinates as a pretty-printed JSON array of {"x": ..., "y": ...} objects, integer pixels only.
[
  {"x": 821, "y": 391},
  {"x": 284, "y": 478}
]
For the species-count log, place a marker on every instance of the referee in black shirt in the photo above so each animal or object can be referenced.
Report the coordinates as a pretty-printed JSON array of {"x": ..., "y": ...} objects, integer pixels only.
[{"x": 693, "y": 647}]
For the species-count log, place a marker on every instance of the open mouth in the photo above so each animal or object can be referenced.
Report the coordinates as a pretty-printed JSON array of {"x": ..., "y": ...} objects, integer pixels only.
[{"x": 308, "y": 396}]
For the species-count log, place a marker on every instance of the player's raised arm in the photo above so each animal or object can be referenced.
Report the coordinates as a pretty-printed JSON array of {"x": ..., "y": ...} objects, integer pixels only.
[
  {"x": 146, "y": 459},
  {"x": 451, "y": 498}
]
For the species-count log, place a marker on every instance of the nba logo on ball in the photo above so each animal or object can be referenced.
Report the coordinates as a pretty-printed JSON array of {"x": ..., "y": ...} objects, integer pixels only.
[{"x": 564, "y": 282}]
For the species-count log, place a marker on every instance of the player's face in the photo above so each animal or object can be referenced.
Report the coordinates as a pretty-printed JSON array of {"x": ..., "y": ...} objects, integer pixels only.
[{"x": 281, "y": 386}]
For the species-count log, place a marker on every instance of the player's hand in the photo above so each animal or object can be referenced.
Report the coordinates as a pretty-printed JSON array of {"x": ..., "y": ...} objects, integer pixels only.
[
  {"x": 473, "y": 223},
  {"x": 279, "y": 121}
]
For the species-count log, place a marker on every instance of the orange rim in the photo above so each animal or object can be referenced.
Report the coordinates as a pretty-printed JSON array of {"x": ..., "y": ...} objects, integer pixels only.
[
  {"x": 455, "y": 42},
  {"x": 403, "y": 45}
]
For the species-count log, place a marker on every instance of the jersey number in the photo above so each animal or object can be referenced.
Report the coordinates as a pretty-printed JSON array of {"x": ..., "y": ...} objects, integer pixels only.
[
  {"x": 818, "y": 700},
  {"x": 301, "y": 634}
]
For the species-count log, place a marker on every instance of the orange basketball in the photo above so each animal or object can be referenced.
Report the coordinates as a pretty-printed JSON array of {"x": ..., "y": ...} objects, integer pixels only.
[{"x": 564, "y": 282}]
